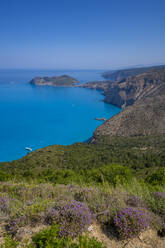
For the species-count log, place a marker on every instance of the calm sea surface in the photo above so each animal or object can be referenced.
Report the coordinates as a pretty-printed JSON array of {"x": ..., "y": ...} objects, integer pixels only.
[{"x": 37, "y": 116}]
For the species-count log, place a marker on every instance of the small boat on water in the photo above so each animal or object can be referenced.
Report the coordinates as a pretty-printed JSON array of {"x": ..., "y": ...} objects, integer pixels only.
[
  {"x": 100, "y": 119},
  {"x": 28, "y": 149}
]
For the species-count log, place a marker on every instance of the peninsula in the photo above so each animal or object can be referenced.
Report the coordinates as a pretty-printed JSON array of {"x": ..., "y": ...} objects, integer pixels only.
[{"x": 57, "y": 81}]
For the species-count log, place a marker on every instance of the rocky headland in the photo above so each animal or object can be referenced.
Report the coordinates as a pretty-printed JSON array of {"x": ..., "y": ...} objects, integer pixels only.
[
  {"x": 127, "y": 91},
  {"x": 58, "y": 81},
  {"x": 142, "y": 98},
  {"x": 144, "y": 118}
]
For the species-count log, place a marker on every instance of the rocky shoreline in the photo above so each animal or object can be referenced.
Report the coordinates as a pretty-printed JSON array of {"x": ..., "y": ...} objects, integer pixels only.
[
  {"x": 127, "y": 91},
  {"x": 142, "y": 98}
]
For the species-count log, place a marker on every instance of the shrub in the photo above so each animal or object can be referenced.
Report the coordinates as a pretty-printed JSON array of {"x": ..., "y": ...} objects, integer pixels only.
[
  {"x": 9, "y": 243},
  {"x": 73, "y": 218},
  {"x": 4, "y": 176},
  {"x": 86, "y": 242},
  {"x": 25, "y": 214},
  {"x": 158, "y": 205},
  {"x": 83, "y": 194},
  {"x": 60, "y": 176},
  {"x": 33, "y": 212},
  {"x": 95, "y": 199},
  {"x": 114, "y": 204},
  {"x": 129, "y": 222},
  {"x": 113, "y": 174},
  {"x": 48, "y": 238},
  {"x": 102, "y": 203},
  {"x": 157, "y": 178}
]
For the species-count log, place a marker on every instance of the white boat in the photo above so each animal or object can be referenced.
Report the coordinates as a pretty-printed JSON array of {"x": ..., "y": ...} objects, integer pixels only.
[
  {"x": 28, "y": 149},
  {"x": 101, "y": 119}
]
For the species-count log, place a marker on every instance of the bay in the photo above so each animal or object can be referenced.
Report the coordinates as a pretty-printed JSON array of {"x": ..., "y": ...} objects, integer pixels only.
[{"x": 37, "y": 116}]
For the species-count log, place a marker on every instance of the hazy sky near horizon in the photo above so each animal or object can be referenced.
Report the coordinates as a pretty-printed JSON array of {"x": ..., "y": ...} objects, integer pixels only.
[{"x": 81, "y": 34}]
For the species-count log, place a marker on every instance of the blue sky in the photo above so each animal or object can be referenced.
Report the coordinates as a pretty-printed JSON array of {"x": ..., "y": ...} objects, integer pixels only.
[{"x": 81, "y": 34}]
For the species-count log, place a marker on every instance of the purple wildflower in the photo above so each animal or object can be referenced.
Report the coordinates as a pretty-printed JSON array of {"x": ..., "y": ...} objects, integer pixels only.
[
  {"x": 3, "y": 203},
  {"x": 13, "y": 226},
  {"x": 129, "y": 222},
  {"x": 73, "y": 217}
]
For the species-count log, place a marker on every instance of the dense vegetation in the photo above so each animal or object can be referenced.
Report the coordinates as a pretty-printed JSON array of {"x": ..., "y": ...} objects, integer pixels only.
[{"x": 61, "y": 164}]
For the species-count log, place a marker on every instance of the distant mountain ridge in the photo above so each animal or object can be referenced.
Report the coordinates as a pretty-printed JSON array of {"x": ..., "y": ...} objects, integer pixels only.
[{"x": 116, "y": 75}]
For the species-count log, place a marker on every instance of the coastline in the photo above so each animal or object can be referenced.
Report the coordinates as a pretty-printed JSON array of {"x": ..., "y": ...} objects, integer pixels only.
[
  {"x": 125, "y": 93},
  {"x": 54, "y": 100}
]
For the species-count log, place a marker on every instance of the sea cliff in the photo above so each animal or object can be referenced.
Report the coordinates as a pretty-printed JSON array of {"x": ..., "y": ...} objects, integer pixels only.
[
  {"x": 142, "y": 98},
  {"x": 127, "y": 91}
]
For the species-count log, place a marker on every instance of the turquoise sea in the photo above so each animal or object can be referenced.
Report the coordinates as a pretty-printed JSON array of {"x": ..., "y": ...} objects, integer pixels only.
[{"x": 36, "y": 116}]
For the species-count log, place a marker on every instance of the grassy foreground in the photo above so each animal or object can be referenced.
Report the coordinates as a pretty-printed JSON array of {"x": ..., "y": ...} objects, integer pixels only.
[{"x": 60, "y": 210}]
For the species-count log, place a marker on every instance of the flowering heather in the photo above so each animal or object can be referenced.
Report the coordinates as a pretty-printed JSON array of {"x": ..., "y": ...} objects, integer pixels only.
[
  {"x": 101, "y": 204},
  {"x": 13, "y": 226},
  {"x": 129, "y": 222},
  {"x": 3, "y": 203},
  {"x": 73, "y": 218}
]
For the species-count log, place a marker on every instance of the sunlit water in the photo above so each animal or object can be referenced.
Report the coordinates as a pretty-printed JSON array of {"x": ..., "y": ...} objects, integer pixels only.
[{"x": 37, "y": 116}]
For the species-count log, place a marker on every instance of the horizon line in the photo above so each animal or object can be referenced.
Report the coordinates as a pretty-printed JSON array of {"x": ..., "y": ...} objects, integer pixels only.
[{"x": 84, "y": 69}]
